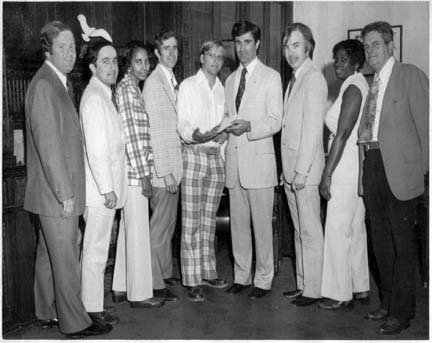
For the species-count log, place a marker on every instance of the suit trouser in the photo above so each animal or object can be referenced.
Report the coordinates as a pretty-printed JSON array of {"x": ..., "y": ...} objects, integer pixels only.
[
  {"x": 393, "y": 238},
  {"x": 345, "y": 268},
  {"x": 304, "y": 207},
  {"x": 258, "y": 205},
  {"x": 57, "y": 274},
  {"x": 97, "y": 235},
  {"x": 162, "y": 226},
  {"x": 202, "y": 185},
  {"x": 133, "y": 268}
]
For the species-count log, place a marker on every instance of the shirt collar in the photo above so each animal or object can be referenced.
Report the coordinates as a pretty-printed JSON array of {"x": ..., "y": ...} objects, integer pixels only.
[
  {"x": 386, "y": 70},
  {"x": 169, "y": 74},
  {"x": 250, "y": 67},
  {"x": 297, "y": 72},
  {"x": 61, "y": 76},
  {"x": 107, "y": 89},
  {"x": 203, "y": 79}
]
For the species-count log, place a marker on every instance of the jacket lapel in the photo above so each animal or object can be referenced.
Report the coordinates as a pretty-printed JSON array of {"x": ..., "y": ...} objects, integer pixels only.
[
  {"x": 166, "y": 86},
  {"x": 390, "y": 93},
  {"x": 251, "y": 84},
  {"x": 307, "y": 65}
]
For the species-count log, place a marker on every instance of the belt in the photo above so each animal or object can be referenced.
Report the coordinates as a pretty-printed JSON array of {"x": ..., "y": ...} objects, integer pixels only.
[
  {"x": 370, "y": 146},
  {"x": 209, "y": 150}
]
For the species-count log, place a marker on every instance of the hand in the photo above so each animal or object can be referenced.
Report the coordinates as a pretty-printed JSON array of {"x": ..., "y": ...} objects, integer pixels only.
[
  {"x": 146, "y": 187},
  {"x": 68, "y": 207},
  {"x": 220, "y": 138},
  {"x": 238, "y": 127},
  {"x": 110, "y": 200},
  {"x": 324, "y": 186},
  {"x": 199, "y": 137},
  {"x": 298, "y": 182},
  {"x": 170, "y": 183}
]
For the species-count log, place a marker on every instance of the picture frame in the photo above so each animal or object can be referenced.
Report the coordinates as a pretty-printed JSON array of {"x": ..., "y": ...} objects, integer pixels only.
[{"x": 397, "y": 39}]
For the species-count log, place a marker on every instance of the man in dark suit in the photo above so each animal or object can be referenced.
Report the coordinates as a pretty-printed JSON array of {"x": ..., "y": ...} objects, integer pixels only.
[
  {"x": 55, "y": 187},
  {"x": 394, "y": 146}
]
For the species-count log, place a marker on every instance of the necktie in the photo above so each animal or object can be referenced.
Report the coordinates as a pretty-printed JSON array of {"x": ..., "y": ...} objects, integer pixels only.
[
  {"x": 70, "y": 90},
  {"x": 175, "y": 85},
  {"x": 365, "y": 131},
  {"x": 113, "y": 98},
  {"x": 291, "y": 85},
  {"x": 241, "y": 88}
]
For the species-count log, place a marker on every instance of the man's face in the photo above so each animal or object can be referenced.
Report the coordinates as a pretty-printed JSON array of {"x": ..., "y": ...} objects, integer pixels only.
[
  {"x": 212, "y": 60},
  {"x": 63, "y": 53},
  {"x": 377, "y": 51},
  {"x": 168, "y": 53},
  {"x": 246, "y": 48},
  {"x": 295, "y": 50},
  {"x": 106, "y": 67}
]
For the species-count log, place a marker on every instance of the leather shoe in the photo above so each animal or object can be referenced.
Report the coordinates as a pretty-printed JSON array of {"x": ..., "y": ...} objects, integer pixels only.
[
  {"x": 94, "y": 329},
  {"x": 119, "y": 297},
  {"x": 165, "y": 294},
  {"x": 103, "y": 318},
  {"x": 292, "y": 294},
  {"x": 393, "y": 326},
  {"x": 361, "y": 297},
  {"x": 304, "y": 301},
  {"x": 215, "y": 283},
  {"x": 330, "y": 304},
  {"x": 148, "y": 303},
  {"x": 236, "y": 288},
  {"x": 195, "y": 294},
  {"x": 172, "y": 281},
  {"x": 377, "y": 315},
  {"x": 258, "y": 293},
  {"x": 48, "y": 323}
]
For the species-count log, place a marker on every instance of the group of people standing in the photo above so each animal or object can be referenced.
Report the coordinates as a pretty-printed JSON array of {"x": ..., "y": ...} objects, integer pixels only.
[{"x": 133, "y": 150}]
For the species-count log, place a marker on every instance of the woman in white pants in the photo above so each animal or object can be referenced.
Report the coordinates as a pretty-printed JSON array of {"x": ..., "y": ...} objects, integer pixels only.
[{"x": 345, "y": 269}]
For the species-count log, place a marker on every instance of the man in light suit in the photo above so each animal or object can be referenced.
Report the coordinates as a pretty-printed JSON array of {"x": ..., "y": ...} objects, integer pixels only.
[
  {"x": 55, "y": 187},
  {"x": 253, "y": 96},
  {"x": 303, "y": 160},
  {"x": 105, "y": 172},
  {"x": 394, "y": 147},
  {"x": 160, "y": 92}
]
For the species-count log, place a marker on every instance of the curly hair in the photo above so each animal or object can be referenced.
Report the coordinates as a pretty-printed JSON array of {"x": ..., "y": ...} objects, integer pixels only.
[{"x": 355, "y": 51}]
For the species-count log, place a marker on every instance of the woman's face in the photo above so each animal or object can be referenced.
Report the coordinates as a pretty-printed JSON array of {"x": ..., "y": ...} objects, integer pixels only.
[
  {"x": 140, "y": 65},
  {"x": 342, "y": 65}
]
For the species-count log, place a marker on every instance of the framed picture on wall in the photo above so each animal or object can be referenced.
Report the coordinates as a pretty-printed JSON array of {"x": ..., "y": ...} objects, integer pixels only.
[{"x": 397, "y": 39}]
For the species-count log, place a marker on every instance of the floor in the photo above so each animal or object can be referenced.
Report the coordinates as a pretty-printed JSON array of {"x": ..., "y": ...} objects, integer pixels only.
[{"x": 233, "y": 317}]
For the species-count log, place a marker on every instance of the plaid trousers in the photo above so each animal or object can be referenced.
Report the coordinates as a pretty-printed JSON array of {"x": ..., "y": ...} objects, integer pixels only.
[{"x": 202, "y": 185}]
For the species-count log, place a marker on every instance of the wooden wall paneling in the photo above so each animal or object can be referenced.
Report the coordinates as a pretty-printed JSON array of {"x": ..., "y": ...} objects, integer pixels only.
[
  {"x": 275, "y": 31},
  {"x": 242, "y": 11},
  {"x": 128, "y": 22},
  {"x": 227, "y": 18},
  {"x": 184, "y": 28}
]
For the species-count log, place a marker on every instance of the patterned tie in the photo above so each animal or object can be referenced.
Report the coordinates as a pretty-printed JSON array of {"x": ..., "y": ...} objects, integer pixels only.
[
  {"x": 365, "y": 131},
  {"x": 113, "y": 99},
  {"x": 291, "y": 85},
  {"x": 241, "y": 88},
  {"x": 70, "y": 90},
  {"x": 175, "y": 85}
]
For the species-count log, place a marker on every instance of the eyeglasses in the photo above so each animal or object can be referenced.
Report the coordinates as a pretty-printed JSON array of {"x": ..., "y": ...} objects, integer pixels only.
[{"x": 218, "y": 57}]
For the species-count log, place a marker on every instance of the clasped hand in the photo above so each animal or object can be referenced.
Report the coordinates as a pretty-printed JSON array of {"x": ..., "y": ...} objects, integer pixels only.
[
  {"x": 205, "y": 137},
  {"x": 238, "y": 127}
]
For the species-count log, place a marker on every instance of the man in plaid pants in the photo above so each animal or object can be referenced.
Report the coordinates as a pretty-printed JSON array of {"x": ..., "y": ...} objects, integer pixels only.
[{"x": 200, "y": 108}]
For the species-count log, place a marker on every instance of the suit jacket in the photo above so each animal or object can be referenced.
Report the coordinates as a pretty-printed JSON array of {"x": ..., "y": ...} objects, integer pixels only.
[
  {"x": 104, "y": 145},
  {"x": 403, "y": 133},
  {"x": 160, "y": 105},
  {"x": 55, "y": 162},
  {"x": 252, "y": 155},
  {"x": 302, "y": 126}
]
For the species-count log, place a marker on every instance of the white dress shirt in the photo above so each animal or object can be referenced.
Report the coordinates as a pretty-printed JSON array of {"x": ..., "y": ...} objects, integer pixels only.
[
  {"x": 170, "y": 76},
  {"x": 384, "y": 77},
  {"x": 61, "y": 76},
  {"x": 250, "y": 68},
  {"x": 199, "y": 106}
]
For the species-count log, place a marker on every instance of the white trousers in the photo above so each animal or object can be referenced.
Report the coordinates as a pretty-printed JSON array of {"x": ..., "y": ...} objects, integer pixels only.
[
  {"x": 133, "y": 265},
  {"x": 304, "y": 207},
  {"x": 97, "y": 234},
  {"x": 345, "y": 247}
]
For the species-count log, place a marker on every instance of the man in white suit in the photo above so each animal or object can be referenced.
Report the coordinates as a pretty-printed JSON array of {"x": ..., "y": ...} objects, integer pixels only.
[
  {"x": 253, "y": 96},
  {"x": 105, "y": 173},
  {"x": 303, "y": 160}
]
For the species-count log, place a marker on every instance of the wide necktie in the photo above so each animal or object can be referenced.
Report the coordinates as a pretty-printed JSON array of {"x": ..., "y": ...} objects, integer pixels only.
[
  {"x": 291, "y": 85},
  {"x": 113, "y": 99},
  {"x": 241, "y": 89},
  {"x": 175, "y": 85},
  {"x": 70, "y": 90},
  {"x": 366, "y": 127}
]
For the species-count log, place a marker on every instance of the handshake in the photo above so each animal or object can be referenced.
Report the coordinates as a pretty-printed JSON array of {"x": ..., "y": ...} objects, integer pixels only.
[{"x": 217, "y": 134}]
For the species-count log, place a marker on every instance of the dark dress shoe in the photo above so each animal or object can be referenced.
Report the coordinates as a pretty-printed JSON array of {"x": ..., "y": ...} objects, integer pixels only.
[
  {"x": 165, "y": 294},
  {"x": 258, "y": 293},
  {"x": 195, "y": 294},
  {"x": 215, "y": 283},
  {"x": 361, "y": 297},
  {"x": 172, "y": 281},
  {"x": 330, "y": 304},
  {"x": 148, "y": 303},
  {"x": 304, "y": 301},
  {"x": 103, "y": 318},
  {"x": 94, "y": 329},
  {"x": 377, "y": 315},
  {"x": 119, "y": 297},
  {"x": 393, "y": 326},
  {"x": 236, "y": 288},
  {"x": 48, "y": 323},
  {"x": 292, "y": 294}
]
